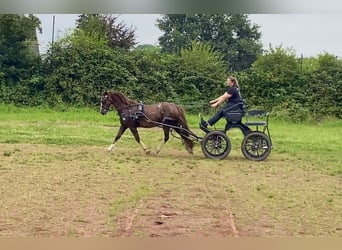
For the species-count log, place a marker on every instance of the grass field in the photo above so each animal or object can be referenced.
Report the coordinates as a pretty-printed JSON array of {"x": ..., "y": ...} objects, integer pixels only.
[{"x": 58, "y": 180}]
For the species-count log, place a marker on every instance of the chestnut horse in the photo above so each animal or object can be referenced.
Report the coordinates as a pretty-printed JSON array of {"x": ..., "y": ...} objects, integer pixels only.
[{"x": 134, "y": 114}]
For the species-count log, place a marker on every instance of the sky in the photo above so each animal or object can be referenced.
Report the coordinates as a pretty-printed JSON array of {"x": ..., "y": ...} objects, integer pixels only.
[{"x": 307, "y": 34}]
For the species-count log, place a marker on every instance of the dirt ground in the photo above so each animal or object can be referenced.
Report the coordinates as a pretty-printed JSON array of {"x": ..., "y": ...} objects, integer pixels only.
[{"x": 85, "y": 191}]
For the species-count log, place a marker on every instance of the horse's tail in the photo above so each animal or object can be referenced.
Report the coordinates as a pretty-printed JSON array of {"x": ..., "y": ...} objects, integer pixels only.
[{"x": 189, "y": 144}]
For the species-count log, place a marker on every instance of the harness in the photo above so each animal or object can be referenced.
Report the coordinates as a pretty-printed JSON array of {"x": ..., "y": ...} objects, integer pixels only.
[
  {"x": 138, "y": 113},
  {"x": 134, "y": 116},
  {"x": 166, "y": 119}
]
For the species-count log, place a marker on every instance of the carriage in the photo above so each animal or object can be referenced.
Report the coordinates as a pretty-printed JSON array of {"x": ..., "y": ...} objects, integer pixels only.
[
  {"x": 215, "y": 144},
  {"x": 256, "y": 144}
]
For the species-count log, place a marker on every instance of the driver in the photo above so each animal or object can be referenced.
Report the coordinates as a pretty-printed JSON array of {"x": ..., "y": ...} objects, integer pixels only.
[{"x": 231, "y": 96}]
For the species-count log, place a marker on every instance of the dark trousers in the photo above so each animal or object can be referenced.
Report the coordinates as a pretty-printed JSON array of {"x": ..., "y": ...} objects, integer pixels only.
[{"x": 215, "y": 118}]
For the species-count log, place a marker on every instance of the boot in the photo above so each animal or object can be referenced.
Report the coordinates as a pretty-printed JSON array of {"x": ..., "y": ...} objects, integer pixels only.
[{"x": 203, "y": 124}]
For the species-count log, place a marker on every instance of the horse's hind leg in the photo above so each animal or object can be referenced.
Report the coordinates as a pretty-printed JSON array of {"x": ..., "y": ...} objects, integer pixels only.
[
  {"x": 166, "y": 138},
  {"x": 137, "y": 138},
  {"x": 117, "y": 137},
  {"x": 186, "y": 141}
]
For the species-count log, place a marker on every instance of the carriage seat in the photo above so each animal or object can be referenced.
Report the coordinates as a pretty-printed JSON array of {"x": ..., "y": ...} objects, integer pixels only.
[
  {"x": 234, "y": 113},
  {"x": 257, "y": 117}
]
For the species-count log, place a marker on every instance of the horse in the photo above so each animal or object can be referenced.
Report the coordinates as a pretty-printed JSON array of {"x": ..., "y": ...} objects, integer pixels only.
[{"x": 135, "y": 114}]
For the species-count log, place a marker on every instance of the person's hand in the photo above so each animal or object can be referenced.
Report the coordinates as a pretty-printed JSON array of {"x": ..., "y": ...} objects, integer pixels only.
[{"x": 214, "y": 105}]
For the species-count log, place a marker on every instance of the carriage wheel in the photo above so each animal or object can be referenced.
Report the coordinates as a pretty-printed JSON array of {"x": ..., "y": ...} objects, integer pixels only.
[
  {"x": 256, "y": 146},
  {"x": 216, "y": 145}
]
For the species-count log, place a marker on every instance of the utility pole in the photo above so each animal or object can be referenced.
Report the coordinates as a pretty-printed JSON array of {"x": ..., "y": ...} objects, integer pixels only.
[
  {"x": 301, "y": 63},
  {"x": 53, "y": 30}
]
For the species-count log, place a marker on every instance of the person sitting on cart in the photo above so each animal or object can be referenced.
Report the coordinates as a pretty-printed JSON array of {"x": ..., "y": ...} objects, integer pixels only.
[{"x": 232, "y": 96}]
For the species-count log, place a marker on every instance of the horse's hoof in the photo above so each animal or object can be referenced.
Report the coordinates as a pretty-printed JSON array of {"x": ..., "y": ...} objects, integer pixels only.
[{"x": 148, "y": 152}]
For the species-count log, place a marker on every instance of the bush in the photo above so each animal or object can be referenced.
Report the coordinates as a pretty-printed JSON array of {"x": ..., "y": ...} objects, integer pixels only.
[{"x": 293, "y": 112}]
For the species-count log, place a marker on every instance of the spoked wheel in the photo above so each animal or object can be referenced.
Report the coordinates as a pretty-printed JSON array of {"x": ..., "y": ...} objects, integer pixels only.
[
  {"x": 216, "y": 145},
  {"x": 256, "y": 146}
]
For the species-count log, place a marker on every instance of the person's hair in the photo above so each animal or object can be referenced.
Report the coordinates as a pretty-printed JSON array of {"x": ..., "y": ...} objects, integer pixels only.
[{"x": 234, "y": 80}]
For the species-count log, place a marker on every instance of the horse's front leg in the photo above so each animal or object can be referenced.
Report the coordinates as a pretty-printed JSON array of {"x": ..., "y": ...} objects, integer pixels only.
[
  {"x": 135, "y": 133},
  {"x": 117, "y": 137},
  {"x": 166, "y": 138}
]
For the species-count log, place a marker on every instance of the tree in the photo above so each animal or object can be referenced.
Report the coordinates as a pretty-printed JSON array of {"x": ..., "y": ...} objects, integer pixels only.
[
  {"x": 203, "y": 70},
  {"x": 16, "y": 34},
  {"x": 81, "y": 66},
  {"x": 152, "y": 73},
  {"x": 274, "y": 80},
  {"x": 18, "y": 61},
  {"x": 117, "y": 34},
  {"x": 147, "y": 47},
  {"x": 202, "y": 58},
  {"x": 232, "y": 35},
  {"x": 323, "y": 86}
]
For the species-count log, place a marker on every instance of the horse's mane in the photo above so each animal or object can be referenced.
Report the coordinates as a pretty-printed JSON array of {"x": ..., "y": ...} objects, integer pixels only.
[{"x": 124, "y": 99}]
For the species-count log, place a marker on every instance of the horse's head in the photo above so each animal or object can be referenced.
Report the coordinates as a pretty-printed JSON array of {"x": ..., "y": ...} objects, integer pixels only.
[
  {"x": 105, "y": 103},
  {"x": 115, "y": 99}
]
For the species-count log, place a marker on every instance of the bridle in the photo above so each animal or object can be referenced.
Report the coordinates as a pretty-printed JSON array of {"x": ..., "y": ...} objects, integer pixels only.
[{"x": 104, "y": 108}]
